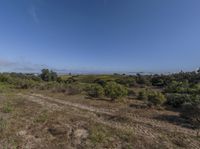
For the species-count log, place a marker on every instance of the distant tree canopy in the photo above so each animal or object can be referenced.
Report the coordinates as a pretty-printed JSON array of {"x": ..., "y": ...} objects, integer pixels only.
[{"x": 48, "y": 75}]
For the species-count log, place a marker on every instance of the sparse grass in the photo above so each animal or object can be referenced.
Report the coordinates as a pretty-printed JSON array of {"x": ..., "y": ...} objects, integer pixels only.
[
  {"x": 7, "y": 108},
  {"x": 4, "y": 87},
  {"x": 99, "y": 134},
  {"x": 43, "y": 117},
  {"x": 3, "y": 124}
]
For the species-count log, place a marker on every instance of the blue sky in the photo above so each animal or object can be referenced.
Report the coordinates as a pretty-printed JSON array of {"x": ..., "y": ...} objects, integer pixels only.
[{"x": 100, "y": 35}]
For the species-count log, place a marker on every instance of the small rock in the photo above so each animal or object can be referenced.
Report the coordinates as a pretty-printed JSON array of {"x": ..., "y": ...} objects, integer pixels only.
[{"x": 81, "y": 133}]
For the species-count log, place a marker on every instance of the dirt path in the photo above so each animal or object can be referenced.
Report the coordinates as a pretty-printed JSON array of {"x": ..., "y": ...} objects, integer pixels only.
[{"x": 139, "y": 125}]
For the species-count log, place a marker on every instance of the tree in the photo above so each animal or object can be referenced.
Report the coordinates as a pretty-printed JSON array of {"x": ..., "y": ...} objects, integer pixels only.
[
  {"x": 53, "y": 75},
  {"x": 47, "y": 75},
  {"x": 115, "y": 91}
]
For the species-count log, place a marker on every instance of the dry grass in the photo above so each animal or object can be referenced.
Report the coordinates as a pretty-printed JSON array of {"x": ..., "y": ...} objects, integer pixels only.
[{"x": 36, "y": 122}]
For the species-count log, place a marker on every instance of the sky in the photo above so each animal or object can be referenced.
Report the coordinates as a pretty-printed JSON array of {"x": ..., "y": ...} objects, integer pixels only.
[{"x": 100, "y": 35}]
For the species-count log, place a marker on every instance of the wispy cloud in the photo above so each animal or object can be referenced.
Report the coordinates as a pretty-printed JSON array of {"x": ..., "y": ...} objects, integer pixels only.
[
  {"x": 6, "y": 63},
  {"x": 18, "y": 66},
  {"x": 33, "y": 14}
]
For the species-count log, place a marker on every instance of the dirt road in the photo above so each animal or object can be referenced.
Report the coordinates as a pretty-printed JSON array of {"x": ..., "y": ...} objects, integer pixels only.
[{"x": 142, "y": 126}]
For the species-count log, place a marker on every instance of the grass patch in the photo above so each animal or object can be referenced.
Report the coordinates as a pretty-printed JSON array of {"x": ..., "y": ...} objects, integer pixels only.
[
  {"x": 3, "y": 125},
  {"x": 7, "y": 108},
  {"x": 5, "y": 87},
  {"x": 43, "y": 117},
  {"x": 99, "y": 134}
]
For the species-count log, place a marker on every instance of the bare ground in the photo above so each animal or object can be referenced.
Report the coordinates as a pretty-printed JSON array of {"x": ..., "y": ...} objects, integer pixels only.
[{"x": 39, "y": 121}]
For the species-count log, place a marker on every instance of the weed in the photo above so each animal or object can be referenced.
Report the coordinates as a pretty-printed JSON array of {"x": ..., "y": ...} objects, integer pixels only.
[
  {"x": 41, "y": 118},
  {"x": 2, "y": 125},
  {"x": 98, "y": 135},
  {"x": 7, "y": 108}
]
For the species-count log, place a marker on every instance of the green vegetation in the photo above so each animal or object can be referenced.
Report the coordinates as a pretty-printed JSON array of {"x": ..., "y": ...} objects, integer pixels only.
[
  {"x": 43, "y": 117},
  {"x": 174, "y": 90},
  {"x": 156, "y": 98},
  {"x": 7, "y": 108},
  {"x": 95, "y": 90},
  {"x": 47, "y": 75},
  {"x": 115, "y": 91},
  {"x": 146, "y": 93},
  {"x": 2, "y": 125},
  {"x": 191, "y": 111}
]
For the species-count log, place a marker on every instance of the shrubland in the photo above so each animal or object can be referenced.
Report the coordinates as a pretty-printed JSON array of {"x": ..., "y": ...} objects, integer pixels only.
[{"x": 175, "y": 90}]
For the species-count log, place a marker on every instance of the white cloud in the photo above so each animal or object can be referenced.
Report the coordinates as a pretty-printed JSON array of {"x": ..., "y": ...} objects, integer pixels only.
[{"x": 18, "y": 66}]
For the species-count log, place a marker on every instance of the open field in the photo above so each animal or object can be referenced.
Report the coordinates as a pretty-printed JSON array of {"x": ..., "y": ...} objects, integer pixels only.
[
  {"x": 40, "y": 121},
  {"x": 40, "y": 114}
]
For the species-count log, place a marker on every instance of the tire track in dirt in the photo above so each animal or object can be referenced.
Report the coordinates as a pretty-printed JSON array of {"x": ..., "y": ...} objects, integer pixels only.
[
  {"x": 57, "y": 104},
  {"x": 140, "y": 126},
  {"x": 140, "y": 120}
]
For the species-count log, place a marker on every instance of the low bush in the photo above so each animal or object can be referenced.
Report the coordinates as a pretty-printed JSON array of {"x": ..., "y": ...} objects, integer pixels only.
[
  {"x": 156, "y": 98},
  {"x": 95, "y": 90},
  {"x": 131, "y": 92},
  {"x": 73, "y": 90},
  {"x": 115, "y": 91},
  {"x": 177, "y": 100},
  {"x": 191, "y": 111},
  {"x": 151, "y": 97},
  {"x": 142, "y": 95},
  {"x": 126, "y": 81},
  {"x": 100, "y": 82}
]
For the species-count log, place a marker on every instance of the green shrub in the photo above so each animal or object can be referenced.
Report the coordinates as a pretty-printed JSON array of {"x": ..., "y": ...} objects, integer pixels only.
[
  {"x": 126, "y": 81},
  {"x": 142, "y": 95},
  {"x": 177, "y": 100},
  {"x": 100, "y": 82},
  {"x": 131, "y": 92},
  {"x": 25, "y": 84},
  {"x": 96, "y": 90},
  {"x": 48, "y": 75},
  {"x": 115, "y": 91},
  {"x": 156, "y": 98},
  {"x": 73, "y": 90},
  {"x": 191, "y": 111}
]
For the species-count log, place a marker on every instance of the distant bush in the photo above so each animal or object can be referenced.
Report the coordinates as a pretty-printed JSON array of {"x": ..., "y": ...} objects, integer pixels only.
[
  {"x": 73, "y": 90},
  {"x": 48, "y": 75},
  {"x": 191, "y": 111},
  {"x": 5, "y": 78},
  {"x": 100, "y": 82},
  {"x": 70, "y": 80},
  {"x": 126, "y": 81},
  {"x": 131, "y": 92},
  {"x": 156, "y": 98},
  {"x": 157, "y": 81},
  {"x": 177, "y": 87},
  {"x": 177, "y": 100},
  {"x": 95, "y": 90},
  {"x": 142, "y": 95},
  {"x": 25, "y": 84},
  {"x": 151, "y": 97},
  {"x": 115, "y": 91},
  {"x": 143, "y": 80}
]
